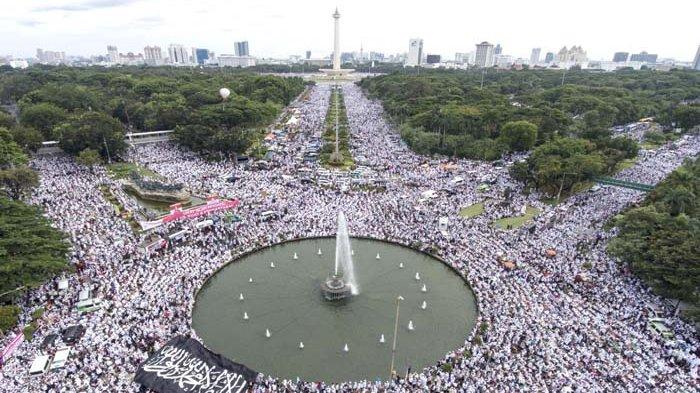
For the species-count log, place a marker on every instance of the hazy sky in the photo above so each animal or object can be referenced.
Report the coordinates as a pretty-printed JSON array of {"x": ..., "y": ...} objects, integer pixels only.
[{"x": 278, "y": 28}]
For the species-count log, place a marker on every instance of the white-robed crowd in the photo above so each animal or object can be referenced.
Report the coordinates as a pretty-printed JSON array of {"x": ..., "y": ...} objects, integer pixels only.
[{"x": 544, "y": 327}]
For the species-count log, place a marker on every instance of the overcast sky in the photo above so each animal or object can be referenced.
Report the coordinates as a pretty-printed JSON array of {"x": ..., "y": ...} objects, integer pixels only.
[{"x": 279, "y": 28}]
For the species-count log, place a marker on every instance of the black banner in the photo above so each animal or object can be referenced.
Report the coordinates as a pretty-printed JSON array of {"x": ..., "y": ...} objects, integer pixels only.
[{"x": 183, "y": 365}]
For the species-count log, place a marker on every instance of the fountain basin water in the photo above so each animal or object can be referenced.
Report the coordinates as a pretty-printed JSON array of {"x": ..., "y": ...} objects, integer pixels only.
[{"x": 287, "y": 300}]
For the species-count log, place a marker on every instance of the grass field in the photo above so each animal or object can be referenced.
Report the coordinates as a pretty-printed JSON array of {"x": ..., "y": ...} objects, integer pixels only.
[
  {"x": 472, "y": 210},
  {"x": 517, "y": 222}
]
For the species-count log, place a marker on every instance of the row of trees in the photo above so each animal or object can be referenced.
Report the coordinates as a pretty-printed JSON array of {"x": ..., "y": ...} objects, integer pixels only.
[
  {"x": 31, "y": 251},
  {"x": 660, "y": 240},
  {"x": 568, "y": 125},
  {"x": 91, "y": 108}
]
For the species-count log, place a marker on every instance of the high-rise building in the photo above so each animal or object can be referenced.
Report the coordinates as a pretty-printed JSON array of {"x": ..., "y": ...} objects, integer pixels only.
[
  {"x": 549, "y": 57},
  {"x": 620, "y": 57},
  {"x": 241, "y": 48},
  {"x": 178, "y": 54},
  {"x": 415, "y": 52},
  {"x": 432, "y": 59},
  {"x": 644, "y": 57},
  {"x": 153, "y": 55},
  {"x": 497, "y": 50},
  {"x": 535, "y": 56},
  {"x": 200, "y": 55},
  {"x": 308, "y": 54},
  {"x": 696, "y": 63},
  {"x": 112, "y": 54},
  {"x": 484, "y": 55}
]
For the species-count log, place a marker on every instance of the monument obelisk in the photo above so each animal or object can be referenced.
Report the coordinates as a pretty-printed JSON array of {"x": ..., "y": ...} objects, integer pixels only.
[
  {"x": 336, "y": 40},
  {"x": 336, "y": 71}
]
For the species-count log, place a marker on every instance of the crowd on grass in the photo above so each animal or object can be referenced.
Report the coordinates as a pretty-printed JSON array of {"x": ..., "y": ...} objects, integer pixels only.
[{"x": 564, "y": 316}]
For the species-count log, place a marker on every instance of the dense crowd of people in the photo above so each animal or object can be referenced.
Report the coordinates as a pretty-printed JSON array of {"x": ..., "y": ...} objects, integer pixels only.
[{"x": 567, "y": 318}]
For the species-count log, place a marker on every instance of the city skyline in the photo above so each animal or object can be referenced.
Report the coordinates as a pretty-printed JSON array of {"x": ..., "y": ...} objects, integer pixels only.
[{"x": 279, "y": 29}]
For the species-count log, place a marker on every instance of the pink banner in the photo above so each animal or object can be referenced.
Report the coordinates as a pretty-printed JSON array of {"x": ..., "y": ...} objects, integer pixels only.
[
  {"x": 11, "y": 347},
  {"x": 212, "y": 206}
]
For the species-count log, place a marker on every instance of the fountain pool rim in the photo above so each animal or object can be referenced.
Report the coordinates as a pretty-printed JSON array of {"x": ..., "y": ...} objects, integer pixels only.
[{"x": 236, "y": 258}]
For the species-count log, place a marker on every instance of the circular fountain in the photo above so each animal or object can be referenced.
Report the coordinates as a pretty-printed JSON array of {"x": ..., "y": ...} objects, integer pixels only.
[{"x": 291, "y": 303}]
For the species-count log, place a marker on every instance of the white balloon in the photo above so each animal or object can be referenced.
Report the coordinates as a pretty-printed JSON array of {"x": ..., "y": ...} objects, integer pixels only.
[{"x": 224, "y": 93}]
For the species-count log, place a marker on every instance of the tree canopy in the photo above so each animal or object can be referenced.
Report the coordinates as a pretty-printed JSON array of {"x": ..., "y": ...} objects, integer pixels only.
[
  {"x": 661, "y": 238},
  {"x": 51, "y": 100}
]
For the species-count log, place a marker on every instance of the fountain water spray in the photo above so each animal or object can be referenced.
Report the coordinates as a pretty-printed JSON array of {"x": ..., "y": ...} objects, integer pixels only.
[{"x": 343, "y": 255}]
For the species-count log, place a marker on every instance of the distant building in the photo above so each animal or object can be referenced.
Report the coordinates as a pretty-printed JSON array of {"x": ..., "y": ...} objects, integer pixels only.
[
  {"x": 178, "y": 55},
  {"x": 497, "y": 50},
  {"x": 19, "y": 63},
  {"x": 415, "y": 52},
  {"x": 50, "y": 57},
  {"x": 236, "y": 61},
  {"x": 241, "y": 48},
  {"x": 549, "y": 57},
  {"x": 432, "y": 59},
  {"x": 696, "y": 62},
  {"x": 503, "y": 61},
  {"x": 484, "y": 55},
  {"x": 347, "y": 57},
  {"x": 376, "y": 56},
  {"x": 112, "y": 54},
  {"x": 461, "y": 58},
  {"x": 153, "y": 55},
  {"x": 131, "y": 58},
  {"x": 535, "y": 56},
  {"x": 575, "y": 55},
  {"x": 644, "y": 57},
  {"x": 620, "y": 57},
  {"x": 200, "y": 55},
  {"x": 308, "y": 54}
]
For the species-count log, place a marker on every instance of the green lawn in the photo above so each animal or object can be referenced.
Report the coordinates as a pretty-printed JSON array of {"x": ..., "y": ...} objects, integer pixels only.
[
  {"x": 517, "y": 222},
  {"x": 121, "y": 170},
  {"x": 472, "y": 210}
]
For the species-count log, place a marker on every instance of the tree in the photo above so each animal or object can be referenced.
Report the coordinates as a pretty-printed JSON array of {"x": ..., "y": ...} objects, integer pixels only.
[
  {"x": 687, "y": 116},
  {"x": 11, "y": 153},
  {"x": 89, "y": 157},
  {"x": 519, "y": 135},
  {"x": 18, "y": 181},
  {"x": 27, "y": 138},
  {"x": 93, "y": 130},
  {"x": 6, "y": 120},
  {"x": 43, "y": 117},
  {"x": 31, "y": 251}
]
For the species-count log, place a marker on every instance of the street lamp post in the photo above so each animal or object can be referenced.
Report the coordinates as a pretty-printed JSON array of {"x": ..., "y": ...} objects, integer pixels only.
[{"x": 396, "y": 330}]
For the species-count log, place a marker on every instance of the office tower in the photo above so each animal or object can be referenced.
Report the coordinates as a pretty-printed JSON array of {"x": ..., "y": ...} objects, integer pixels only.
[
  {"x": 644, "y": 57},
  {"x": 535, "y": 56},
  {"x": 432, "y": 59},
  {"x": 620, "y": 57},
  {"x": 112, "y": 54},
  {"x": 497, "y": 50},
  {"x": 696, "y": 63},
  {"x": 241, "y": 48},
  {"x": 549, "y": 57},
  {"x": 308, "y": 54},
  {"x": 415, "y": 52},
  {"x": 484, "y": 55},
  {"x": 178, "y": 54},
  {"x": 200, "y": 55},
  {"x": 153, "y": 55}
]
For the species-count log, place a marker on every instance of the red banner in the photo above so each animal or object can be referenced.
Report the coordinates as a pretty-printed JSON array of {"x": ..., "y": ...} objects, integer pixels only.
[
  {"x": 212, "y": 206},
  {"x": 7, "y": 352}
]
